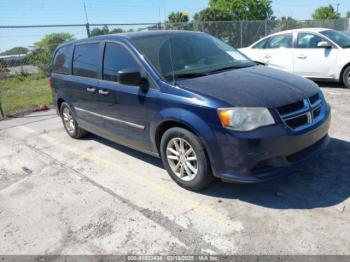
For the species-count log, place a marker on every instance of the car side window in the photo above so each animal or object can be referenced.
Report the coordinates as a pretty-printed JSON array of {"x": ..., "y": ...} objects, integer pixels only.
[
  {"x": 116, "y": 58},
  {"x": 86, "y": 60},
  {"x": 261, "y": 44},
  {"x": 61, "y": 62},
  {"x": 280, "y": 41},
  {"x": 309, "y": 40}
]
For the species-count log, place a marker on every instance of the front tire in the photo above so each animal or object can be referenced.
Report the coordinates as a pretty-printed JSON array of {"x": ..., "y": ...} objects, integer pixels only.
[
  {"x": 346, "y": 77},
  {"x": 184, "y": 158},
  {"x": 69, "y": 122}
]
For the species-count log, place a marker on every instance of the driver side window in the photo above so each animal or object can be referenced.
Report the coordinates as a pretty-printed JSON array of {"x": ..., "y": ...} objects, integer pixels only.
[
  {"x": 309, "y": 40},
  {"x": 117, "y": 57}
]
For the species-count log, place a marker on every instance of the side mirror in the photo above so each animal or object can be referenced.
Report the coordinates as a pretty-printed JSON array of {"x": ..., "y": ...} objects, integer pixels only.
[
  {"x": 324, "y": 44},
  {"x": 131, "y": 77}
]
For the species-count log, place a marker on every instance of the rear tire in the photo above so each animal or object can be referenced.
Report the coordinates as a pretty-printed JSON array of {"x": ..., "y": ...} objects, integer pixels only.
[
  {"x": 184, "y": 158},
  {"x": 346, "y": 77},
  {"x": 69, "y": 122}
]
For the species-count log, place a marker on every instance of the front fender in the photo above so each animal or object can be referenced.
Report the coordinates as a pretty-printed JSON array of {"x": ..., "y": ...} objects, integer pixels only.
[{"x": 194, "y": 122}]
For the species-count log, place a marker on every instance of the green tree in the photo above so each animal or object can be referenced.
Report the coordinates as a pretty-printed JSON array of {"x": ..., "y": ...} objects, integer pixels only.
[
  {"x": 244, "y": 9},
  {"x": 286, "y": 23},
  {"x": 51, "y": 41},
  {"x": 236, "y": 33},
  {"x": 325, "y": 13},
  {"x": 15, "y": 51},
  {"x": 43, "y": 50},
  {"x": 105, "y": 30},
  {"x": 116, "y": 31},
  {"x": 99, "y": 31},
  {"x": 178, "y": 17},
  {"x": 177, "y": 21},
  {"x": 213, "y": 14},
  {"x": 209, "y": 20}
]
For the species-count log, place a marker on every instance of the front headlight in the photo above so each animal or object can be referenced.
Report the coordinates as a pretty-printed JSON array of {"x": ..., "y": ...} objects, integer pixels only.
[{"x": 245, "y": 118}]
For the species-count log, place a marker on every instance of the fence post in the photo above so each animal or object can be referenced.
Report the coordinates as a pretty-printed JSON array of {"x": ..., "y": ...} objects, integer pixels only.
[
  {"x": 241, "y": 32},
  {"x": 2, "y": 114},
  {"x": 87, "y": 29}
]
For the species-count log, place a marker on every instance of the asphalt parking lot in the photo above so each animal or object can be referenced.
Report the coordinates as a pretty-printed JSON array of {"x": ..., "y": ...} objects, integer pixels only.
[{"x": 91, "y": 196}]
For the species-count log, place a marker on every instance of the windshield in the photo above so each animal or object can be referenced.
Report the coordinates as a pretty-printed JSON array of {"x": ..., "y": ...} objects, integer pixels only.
[
  {"x": 188, "y": 55},
  {"x": 340, "y": 38}
]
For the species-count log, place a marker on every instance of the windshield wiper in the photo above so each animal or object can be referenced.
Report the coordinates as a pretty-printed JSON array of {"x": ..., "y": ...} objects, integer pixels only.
[
  {"x": 227, "y": 68},
  {"x": 199, "y": 74},
  {"x": 187, "y": 75},
  {"x": 346, "y": 46}
]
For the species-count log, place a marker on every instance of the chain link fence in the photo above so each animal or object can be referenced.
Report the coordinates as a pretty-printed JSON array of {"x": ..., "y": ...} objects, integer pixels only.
[
  {"x": 19, "y": 56},
  {"x": 15, "y": 60}
]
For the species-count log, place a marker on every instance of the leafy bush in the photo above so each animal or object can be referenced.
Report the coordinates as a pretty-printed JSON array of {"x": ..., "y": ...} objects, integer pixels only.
[{"x": 43, "y": 50}]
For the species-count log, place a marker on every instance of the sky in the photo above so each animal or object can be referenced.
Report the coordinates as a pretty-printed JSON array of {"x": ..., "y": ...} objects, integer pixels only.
[{"x": 37, "y": 12}]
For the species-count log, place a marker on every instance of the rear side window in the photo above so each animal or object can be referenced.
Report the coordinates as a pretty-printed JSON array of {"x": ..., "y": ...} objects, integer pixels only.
[
  {"x": 117, "y": 58},
  {"x": 86, "y": 60},
  {"x": 280, "y": 41},
  {"x": 62, "y": 60}
]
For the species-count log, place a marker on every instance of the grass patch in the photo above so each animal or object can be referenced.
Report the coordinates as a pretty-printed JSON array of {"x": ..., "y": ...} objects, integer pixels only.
[{"x": 24, "y": 93}]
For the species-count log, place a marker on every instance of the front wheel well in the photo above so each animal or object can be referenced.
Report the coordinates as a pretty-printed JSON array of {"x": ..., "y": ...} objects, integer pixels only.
[
  {"x": 167, "y": 125},
  {"x": 59, "y": 103},
  {"x": 163, "y": 127},
  {"x": 342, "y": 71}
]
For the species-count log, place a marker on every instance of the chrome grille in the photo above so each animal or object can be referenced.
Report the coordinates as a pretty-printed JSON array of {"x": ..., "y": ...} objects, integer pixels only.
[{"x": 303, "y": 113}]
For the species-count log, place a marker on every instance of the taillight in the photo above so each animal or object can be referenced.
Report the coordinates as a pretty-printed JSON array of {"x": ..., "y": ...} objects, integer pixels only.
[{"x": 50, "y": 82}]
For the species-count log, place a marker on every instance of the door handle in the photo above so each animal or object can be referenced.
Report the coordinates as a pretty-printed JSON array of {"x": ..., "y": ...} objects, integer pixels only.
[
  {"x": 91, "y": 89},
  {"x": 102, "y": 92},
  {"x": 301, "y": 56},
  {"x": 268, "y": 56}
]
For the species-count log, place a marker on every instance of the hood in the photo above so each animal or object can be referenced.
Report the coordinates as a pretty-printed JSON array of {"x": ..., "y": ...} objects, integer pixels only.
[{"x": 256, "y": 86}]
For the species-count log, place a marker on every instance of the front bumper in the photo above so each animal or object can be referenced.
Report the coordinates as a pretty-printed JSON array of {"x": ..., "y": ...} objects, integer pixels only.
[{"x": 268, "y": 153}]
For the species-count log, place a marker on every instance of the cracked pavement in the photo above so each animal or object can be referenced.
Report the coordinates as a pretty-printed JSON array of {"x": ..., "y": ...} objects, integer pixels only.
[{"x": 91, "y": 196}]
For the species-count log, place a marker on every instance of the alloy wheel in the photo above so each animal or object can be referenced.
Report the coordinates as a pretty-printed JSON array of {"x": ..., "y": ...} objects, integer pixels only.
[
  {"x": 68, "y": 120},
  {"x": 182, "y": 159}
]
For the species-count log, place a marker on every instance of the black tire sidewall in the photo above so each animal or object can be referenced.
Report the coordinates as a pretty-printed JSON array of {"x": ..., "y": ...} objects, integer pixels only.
[
  {"x": 204, "y": 176},
  {"x": 345, "y": 79},
  {"x": 76, "y": 131}
]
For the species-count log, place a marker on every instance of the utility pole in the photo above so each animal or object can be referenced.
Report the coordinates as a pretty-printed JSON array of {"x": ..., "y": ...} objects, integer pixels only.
[
  {"x": 160, "y": 20},
  {"x": 87, "y": 20},
  {"x": 338, "y": 4}
]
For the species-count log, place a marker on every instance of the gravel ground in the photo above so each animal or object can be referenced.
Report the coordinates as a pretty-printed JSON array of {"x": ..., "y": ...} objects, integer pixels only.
[{"x": 91, "y": 196}]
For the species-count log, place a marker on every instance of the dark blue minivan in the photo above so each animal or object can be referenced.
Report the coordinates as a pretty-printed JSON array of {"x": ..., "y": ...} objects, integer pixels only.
[{"x": 203, "y": 107}]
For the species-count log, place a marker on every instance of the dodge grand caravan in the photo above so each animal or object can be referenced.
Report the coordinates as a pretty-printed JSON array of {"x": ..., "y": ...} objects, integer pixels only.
[{"x": 200, "y": 105}]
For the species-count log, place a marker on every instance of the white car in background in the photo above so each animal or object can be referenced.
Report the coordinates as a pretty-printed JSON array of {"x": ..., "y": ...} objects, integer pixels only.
[{"x": 316, "y": 53}]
